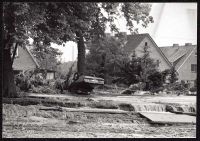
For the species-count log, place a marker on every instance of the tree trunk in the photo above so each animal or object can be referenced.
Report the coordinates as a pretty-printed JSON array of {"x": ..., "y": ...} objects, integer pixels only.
[
  {"x": 81, "y": 53},
  {"x": 9, "y": 88},
  {"x": 14, "y": 53},
  {"x": 104, "y": 69}
]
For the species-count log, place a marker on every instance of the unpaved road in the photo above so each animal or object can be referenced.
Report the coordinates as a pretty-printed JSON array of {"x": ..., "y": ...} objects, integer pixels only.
[
  {"x": 48, "y": 124},
  {"x": 129, "y": 99},
  {"x": 30, "y": 122}
]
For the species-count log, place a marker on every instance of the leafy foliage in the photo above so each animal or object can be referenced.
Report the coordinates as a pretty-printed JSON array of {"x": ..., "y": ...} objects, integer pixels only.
[
  {"x": 155, "y": 80},
  {"x": 54, "y": 22},
  {"x": 46, "y": 56},
  {"x": 66, "y": 68},
  {"x": 170, "y": 74},
  {"x": 141, "y": 69},
  {"x": 130, "y": 72},
  {"x": 104, "y": 57},
  {"x": 193, "y": 89}
]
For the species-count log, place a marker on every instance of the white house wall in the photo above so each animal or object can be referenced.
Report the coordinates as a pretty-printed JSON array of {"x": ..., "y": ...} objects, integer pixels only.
[
  {"x": 185, "y": 70},
  {"x": 23, "y": 61},
  {"x": 154, "y": 54}
]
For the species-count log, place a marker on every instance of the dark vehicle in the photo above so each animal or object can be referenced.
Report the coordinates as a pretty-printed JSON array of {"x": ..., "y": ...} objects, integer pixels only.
[{"x": 82, "y": 84}]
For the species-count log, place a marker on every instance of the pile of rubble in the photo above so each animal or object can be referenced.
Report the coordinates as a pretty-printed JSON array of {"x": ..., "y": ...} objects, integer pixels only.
[{"x": 136, "y": 90}]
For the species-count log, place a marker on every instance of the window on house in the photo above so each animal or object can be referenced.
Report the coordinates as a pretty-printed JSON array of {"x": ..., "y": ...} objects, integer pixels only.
[
  {"x": 194, "y": 68},
  {"x": 195, "y": 53},
  {"x": 157, "y": 63},
  {"x": 145, "y": 43},
  {"x": 133, "y": 53}
]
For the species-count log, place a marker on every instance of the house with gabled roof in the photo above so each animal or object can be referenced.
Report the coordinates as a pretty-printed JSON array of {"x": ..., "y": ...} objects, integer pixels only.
[
  {"x": 24, "y": 60},
  {"x": 135, "y": 45},
  {"x": 184, "y": 59}
]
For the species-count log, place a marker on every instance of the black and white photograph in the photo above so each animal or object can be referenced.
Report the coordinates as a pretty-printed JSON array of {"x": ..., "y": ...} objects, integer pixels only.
[{"x": 99, "y": 69}]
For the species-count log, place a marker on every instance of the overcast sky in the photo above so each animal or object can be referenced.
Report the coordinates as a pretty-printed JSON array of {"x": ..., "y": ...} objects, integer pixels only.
[{"x": 174, "y": 23}]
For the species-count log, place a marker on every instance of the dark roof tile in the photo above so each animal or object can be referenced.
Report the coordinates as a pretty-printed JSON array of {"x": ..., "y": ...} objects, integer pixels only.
[
  {"x": 177, "y": 54},
  {"x": 133, "y": 41}
]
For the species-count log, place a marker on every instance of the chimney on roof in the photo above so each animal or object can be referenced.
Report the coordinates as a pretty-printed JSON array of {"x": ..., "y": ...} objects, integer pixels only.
[
  {"x": 175, "y": 45},
  {"x": 188, "y": 44}
]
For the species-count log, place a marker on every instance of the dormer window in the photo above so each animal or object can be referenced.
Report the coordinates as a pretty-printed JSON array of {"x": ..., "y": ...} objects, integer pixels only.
[{"x": 145, "y": 43}]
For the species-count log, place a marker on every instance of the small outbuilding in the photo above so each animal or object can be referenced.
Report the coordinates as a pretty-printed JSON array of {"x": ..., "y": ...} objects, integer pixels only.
[{"x": 48, "y": 74}]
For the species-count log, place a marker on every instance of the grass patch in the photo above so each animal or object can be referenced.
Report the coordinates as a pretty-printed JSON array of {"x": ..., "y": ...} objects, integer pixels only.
[
  {"x": 22, "y": 101},
  {"x": 11, "y": 110},
  {"x": 45, "y": 102}
]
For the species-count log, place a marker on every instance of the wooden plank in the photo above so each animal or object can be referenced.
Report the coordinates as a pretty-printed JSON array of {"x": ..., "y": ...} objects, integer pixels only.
[
  {"x": 166, "y": 117},
  {"x": 46, "y": 95},
  {"x": 86, "y": 110},
  {"x": 95, "y": 110}
]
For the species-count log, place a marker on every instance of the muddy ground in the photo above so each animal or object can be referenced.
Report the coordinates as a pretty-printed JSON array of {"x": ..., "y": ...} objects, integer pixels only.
[{"x": 29, "y": 121}]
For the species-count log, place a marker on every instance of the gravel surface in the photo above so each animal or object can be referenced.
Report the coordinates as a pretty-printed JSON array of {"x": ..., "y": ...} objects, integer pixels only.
[{"x": 30, "y": 122}]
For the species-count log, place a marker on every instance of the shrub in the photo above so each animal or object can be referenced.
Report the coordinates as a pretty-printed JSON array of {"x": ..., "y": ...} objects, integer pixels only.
[
  {"x": 38, "y": 80},
  {"x": 61, "y": 84},
  {"x": 135, "y": 86},
  {"x": 156, "y": 90},
  {"x": 23, "y": 82},
  {"x": 155, "y": 80},
  {"x": 193, "y": 89},
  {"x": 43, "y": 89},
  {"x": 175, "y": 86},
  {"x": 34, "y": 82}
]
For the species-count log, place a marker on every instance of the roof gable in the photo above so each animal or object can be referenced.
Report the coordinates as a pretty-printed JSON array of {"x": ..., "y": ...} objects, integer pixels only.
[
  {"x": 24, "y": 60},
  {"x": 133, "y": 42},
  {"x": 32, "y": 57},
  {"x": 177, "y": 55}
]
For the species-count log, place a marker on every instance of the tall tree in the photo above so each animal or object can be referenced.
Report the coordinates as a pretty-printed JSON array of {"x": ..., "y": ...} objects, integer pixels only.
[
  {"x": 148, "y": 65},
  {"x": 139, "y": 69},
  {"x": 60, "y": 22},
  {"x": 13, "y": 32},
  {"x": 103, "y": 57}
]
